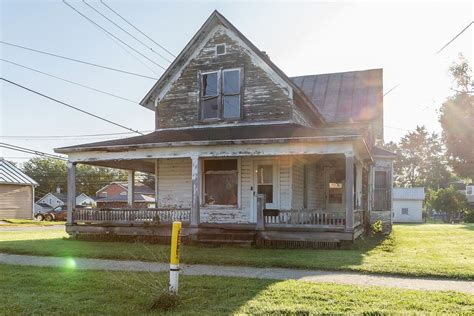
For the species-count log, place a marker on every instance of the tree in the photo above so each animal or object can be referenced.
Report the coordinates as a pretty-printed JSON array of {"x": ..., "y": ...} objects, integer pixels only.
[
  {"x": 457, "y": 120},
  {"x": 420, "y": 160},
  {"x": 52, "y": 173},
  {"x": 449, "y": 201}
]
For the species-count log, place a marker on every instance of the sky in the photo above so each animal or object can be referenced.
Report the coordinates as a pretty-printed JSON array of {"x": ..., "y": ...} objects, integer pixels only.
[{"x": 301, "y": 37}]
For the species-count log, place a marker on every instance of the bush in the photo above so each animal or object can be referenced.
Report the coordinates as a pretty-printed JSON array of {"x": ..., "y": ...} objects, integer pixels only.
[
  {"x": 469, "y": 218},
  {"x": 165, "y": 302},
  {"x": 377, "y": 227}
]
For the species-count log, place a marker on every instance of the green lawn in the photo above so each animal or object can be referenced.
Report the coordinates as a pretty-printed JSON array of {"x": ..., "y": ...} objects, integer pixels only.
[
  {"x": 416, "y": 250},
  {"x": 48, "y": 291}
]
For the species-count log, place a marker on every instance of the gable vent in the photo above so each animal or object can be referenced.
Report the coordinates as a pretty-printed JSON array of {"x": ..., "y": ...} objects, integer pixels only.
[{"x": 220, "y": 49}]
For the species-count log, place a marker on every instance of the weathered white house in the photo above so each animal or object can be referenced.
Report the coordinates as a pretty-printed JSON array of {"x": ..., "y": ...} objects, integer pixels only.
[
  {"x": 17, "y": 191},
  {"x": 241, "y": 149},
  {"x": 408, "y": 205}
]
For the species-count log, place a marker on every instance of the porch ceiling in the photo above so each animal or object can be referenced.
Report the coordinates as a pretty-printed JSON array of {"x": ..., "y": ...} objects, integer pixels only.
[{"x": 147, "y": 166}]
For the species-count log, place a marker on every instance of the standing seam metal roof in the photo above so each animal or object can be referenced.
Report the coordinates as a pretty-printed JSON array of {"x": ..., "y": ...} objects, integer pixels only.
[{"x": 9, "y": 174}]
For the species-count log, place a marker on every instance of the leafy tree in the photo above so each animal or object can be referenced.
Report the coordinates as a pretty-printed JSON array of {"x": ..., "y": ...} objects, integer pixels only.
[
  {"x": 420, "y": 160},
  {"x": 457, "y": 120},
  {"x": 52, "y": 173},
  {"x": 449, "y": 201}
]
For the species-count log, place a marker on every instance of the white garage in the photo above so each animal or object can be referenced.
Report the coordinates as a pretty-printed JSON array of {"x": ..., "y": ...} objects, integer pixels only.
[
  {"x": 408, "y": 205},
  {"x": 17, "y": 192}
]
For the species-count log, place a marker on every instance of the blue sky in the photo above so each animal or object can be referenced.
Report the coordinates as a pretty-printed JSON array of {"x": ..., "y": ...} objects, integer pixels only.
[{"x": 300, "y": 37}]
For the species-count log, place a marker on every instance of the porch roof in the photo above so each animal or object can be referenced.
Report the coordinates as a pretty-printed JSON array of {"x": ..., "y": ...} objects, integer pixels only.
[{"x": 199, "y": 135}]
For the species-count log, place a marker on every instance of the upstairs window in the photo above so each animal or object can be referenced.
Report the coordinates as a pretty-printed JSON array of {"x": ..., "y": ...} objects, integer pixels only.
[{"x": 221, "y": 95}]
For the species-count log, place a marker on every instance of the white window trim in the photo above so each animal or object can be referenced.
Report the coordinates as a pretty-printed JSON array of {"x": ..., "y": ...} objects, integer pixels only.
[{"x": 239, "y": 185}]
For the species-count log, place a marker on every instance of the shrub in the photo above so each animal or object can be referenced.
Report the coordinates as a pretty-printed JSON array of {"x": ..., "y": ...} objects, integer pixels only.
[
  {"x": 469, "y": 218},
  {"x": 165, "y": 302},
  {"x": 377, "y": 227}
]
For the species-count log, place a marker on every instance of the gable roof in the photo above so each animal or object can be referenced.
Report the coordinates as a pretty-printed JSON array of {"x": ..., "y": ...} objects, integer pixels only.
[
  {"x": 215, "y": 19},
  {"x": 380, "y": 152},
  {"x": 10, "y": 174},
  {"x": 137, "y": 197},
  {"x": 140, "y": 188},
  {"x": 345, "y": 96}
]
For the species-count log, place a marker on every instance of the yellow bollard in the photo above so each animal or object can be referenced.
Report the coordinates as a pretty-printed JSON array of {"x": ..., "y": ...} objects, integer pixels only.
[{"x": 174, "y": 259}]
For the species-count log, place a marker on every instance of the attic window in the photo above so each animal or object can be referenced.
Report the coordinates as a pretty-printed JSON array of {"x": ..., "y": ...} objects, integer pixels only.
[
  {"x": 220, "y": 49},
  {"x": 221, "y": 94}
]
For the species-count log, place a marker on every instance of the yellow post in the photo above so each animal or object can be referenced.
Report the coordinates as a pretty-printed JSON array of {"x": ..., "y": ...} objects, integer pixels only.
[{"x": 174, "y": 259}]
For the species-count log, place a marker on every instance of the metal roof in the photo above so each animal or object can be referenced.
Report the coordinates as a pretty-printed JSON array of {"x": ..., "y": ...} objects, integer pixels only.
[
  {"x": 9, "y": 174},
  {"x": 345, "y": 96},
  {"x": 408, "y": 193}
]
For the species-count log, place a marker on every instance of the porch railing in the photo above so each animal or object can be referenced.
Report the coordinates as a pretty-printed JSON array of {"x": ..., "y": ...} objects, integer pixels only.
[
  {"x": 130, "y": 215},
  {"x": 304, "y": 218}
]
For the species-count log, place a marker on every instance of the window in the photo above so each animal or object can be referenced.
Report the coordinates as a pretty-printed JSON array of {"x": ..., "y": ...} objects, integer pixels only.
[
  {"x": 469, "y": 190},
  {"x": 220, "y": 49},
  {"x": 335, "y": 187},
  {"x": 220, "y": 182},
  {"x": 221, "y": 94},
  {"x": 265, "y": 182},
  {"x": 381, "y": 192},
  {"x": 404, "y": 211}
]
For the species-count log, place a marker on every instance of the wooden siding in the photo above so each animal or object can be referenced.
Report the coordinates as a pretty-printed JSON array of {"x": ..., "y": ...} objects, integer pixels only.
[
  {"x": 263, "y": 98},
  {"x": 16, "y": 201},
  {"x": 174, "y": 183},
  {"x": 285, "y": 183},
  {"x": 297, "y": 183}
]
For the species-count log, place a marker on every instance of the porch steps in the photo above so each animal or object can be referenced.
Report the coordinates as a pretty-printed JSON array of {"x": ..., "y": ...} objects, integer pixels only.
[{"x": 223, "y": 237}]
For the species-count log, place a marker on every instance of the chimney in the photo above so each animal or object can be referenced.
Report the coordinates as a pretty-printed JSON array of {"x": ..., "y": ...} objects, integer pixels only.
[{"x": 58, "y": 189}]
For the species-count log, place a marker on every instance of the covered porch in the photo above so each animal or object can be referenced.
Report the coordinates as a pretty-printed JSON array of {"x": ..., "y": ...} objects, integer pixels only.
[{"x": 313, "y": 189}]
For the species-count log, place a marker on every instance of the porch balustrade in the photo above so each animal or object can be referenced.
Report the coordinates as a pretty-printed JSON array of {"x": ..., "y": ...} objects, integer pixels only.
[
  {"x": 130, "y": 216},
  {"x": 305, "y": 218}
]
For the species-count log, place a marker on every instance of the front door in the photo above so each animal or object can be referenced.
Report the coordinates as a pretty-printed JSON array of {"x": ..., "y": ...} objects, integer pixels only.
[
  {"x": 265, "y": 182},
  {"x": 334, "y": 184}
]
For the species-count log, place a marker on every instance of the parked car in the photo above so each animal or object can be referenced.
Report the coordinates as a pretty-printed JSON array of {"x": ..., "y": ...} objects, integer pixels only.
[{"x": 59, "y": 213}]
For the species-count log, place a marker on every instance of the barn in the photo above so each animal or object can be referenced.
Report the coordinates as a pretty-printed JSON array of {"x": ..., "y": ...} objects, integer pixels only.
[
  {"x": 408, "y": 205},
  {"x": 17, "y": 192}
]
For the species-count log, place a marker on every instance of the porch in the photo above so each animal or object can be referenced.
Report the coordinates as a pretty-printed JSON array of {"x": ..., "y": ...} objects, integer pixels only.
[{"x": 262, "y": 183}]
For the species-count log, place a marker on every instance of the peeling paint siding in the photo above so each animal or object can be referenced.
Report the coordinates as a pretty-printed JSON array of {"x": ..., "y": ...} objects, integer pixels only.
[
  {"x": 246, "y": 173},
  {"x": 320, "y": 190},
  {"x": 174, "y": 183},
  {"x": 312, "y": 179},
  {"x": 300, "y": 118},
  {"x": 265, "y": 97}
]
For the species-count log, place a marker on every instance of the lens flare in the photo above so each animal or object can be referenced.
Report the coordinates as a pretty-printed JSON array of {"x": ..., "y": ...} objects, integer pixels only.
[{"x": 70, "y": 263}]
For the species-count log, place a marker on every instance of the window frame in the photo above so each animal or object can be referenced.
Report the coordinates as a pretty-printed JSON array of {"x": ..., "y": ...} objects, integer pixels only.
[
  {"x": 403, "y": 210},
  {"x": 225, "y": 49},
  {"x": 239, "y": 184},
  {"x": 220, "y": 95}
]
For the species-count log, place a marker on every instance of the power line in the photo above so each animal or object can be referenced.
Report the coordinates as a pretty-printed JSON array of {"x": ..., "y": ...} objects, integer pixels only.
[
  {"x": 393, "y": 88},
  {"x": 68, "y": 81},
  {"x": 71, "y": 106},
  {"x": 31, "y": 151},
  {"x": 118, "y": 39},
  {"x": 124, "y": 30},
  {"x": 136, "y": 28},
  {"x": 454, "y": 38},
  {"x": 79, "y": 61},
  {"x": 67, "y": 136}
]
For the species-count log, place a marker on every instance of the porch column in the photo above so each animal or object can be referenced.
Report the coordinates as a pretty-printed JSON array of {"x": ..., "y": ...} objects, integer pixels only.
[
  {"x": 71, "y": 191},
  {"x": 370, "y": 198},
  {"x": 349, "y": 191},
  {"x": 196, "y": 190},
  {"x": 131, "y": 187},
  {"x": 359, "y": 185},
  {"x": 157, "y": 173}
]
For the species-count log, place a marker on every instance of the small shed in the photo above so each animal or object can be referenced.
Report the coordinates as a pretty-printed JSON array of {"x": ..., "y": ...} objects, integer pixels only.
[
  {"x": 408, "y": 205},
  {"x": 17, "y": 192}
]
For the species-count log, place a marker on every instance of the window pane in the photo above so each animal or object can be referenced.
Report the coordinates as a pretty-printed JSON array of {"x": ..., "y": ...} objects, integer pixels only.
[
  {"x": 232, "y": 106},
  {"x": 209, "y": 108},
  {"x": 335, "y": 193},
  {"x": 209, "y": 84},
  {"x": 268, "y": 191},
  {"x": 221, "y": 189},
  {"x": 265, "y": 174},
  {"x": 231, "y": 82}
]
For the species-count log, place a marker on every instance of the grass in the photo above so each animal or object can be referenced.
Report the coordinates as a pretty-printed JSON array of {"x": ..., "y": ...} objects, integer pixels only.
[
  {"x": 29, "y": 222},
  {"x": 34, "y": 290},
  {"x": 414, "y": 250}
]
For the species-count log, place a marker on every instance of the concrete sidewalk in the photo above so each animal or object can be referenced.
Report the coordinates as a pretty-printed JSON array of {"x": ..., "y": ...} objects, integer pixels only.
[{"x": 247, "y": 272}]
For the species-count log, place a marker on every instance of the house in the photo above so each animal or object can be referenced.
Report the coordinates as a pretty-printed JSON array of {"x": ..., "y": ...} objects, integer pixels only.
[
  {"x": 120, "y": 188},
  {"x": 17, "y": 191},
  {"x": 240, "y": 149},
  {"x": 54, "y": 199},
  {"x": 408, "y": 205},
  {"x": 470, "y": 195},
  {"x": 41, "y": 208}
]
